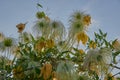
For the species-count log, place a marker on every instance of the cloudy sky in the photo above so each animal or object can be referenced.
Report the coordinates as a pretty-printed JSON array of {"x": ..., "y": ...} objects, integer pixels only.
[{"x": 105, "y": 14}]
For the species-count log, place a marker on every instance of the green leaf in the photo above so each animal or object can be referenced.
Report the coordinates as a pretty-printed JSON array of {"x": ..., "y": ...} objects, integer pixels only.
[
  {"x": 100, "y": 31},
  {"x": 105, "y": 35},
  {"x": 106, "y": 43},
  {"x": 39, "y": 5},
  {"x": 96, "y": 35},
  {"x": 115, "y": 55},
  {"x": 37, "y": 70},
  {"x": 114, "y": 41},
  {"x": 32, "y": 37}
]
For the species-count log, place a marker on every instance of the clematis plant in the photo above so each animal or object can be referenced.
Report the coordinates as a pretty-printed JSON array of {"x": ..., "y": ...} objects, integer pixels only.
[{"x": 53, "y": 52}]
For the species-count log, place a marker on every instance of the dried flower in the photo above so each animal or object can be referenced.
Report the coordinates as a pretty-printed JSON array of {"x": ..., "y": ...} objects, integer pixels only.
[
  {"x": 16, "y": 51},
  {"x": 18, "y": 72},
  {"x": 77, "y": 16},
  {"x": 40, "y": 45},
  {"x": 7, "y": 46},
  {"x": 109, "y": 77},
  {"x": 54, "y": 75},
  {"x": 46, "y": 71},
  {"x": 57, "y": 30},
  {"x": 54, "y": 78},
  {"x": 66, "y": 71},
  {"x": 116, "y": 45},
  {"x": 8, "y": 42},
  {"x": 47, "y": 18},
  {"x": 81, "y": 36},
  {"x": 98, "y": 60},
  {"x": 50, "y": 43},
  {"x": 81, "y": 51},
  {"x": 26, "y": 37},
  {"x": 87, "y": 20},
  {"x": 21, "y": 27},
  {"x": 78, "y": 22},
  {"x": 42, "y": 28},
  {"x": 75, "y": 27},
  {"x": 92, "y": 45},
  {"x": 40, "y": 15}
]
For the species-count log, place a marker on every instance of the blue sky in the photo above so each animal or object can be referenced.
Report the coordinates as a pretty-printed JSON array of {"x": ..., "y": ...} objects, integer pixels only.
[{"x": 105, "y": 14}]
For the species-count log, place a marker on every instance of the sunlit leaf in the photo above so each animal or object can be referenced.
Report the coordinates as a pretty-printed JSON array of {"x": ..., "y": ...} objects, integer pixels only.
[{"x": 100, "y": 31}]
